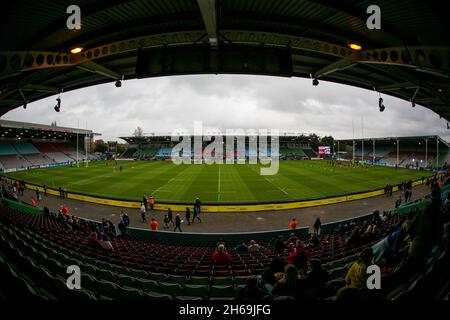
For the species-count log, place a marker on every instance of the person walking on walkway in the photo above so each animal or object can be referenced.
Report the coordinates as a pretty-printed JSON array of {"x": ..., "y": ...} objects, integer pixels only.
[{"x": 178, "y": 222}]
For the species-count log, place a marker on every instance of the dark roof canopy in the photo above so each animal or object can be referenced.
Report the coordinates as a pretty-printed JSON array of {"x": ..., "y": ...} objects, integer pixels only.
[{"x": 409, "y": 57}]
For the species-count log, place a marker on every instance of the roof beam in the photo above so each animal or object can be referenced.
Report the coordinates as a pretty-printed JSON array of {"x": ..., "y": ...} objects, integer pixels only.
[
  {"x": 37, "y": 87},
  {"x": 339, "y": 65},
  {"x": 96, "y": 68},
  {"x": 209, "y": 16},
  {"x": 397, "y": 86}
]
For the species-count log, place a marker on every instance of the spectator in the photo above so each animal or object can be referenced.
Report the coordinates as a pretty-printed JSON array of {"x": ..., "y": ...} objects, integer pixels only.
[
  {"x": 289, "y": 285},
  {"x": 151, "y": 201},
  {"x": 251, "y": 291},
  {"x": 94, "y": 241},
  {"x": 166, "y": 222},
  {"x": 221, "y": 256},
  {"x": 293, "y": 224},
  {"x": 292, "y": 239},
  {"x": 278, "y": 245},
  {"x": 242, "y": 247},
  {"x": 143, "y": 213},
  {"x": 145, "y": 201},
  {"x": 64, "y": 210},
  {"x": 253, "y": 247},
  {"x": 314, "y": 240},
  {"x": 317, "y": 225},
  {"x": 299, "y": 258},
  {"x": 154, "y": 225},
  {"x": 196, "y": 214},
  {"x": 316, "y": 277},
  {"x": 188, "y": 215},
  {"x": 125, "y": 218},
  {"x": 106, "y": 244},
  {"x": 178, "y": 222},
  {"x": 357, "y": 274},
  {"x": 268, "y": 276},
  {"x": 122, "y": 229},
  {"x": 355, "y": 237},
  {"x": 170, "y": 216}
]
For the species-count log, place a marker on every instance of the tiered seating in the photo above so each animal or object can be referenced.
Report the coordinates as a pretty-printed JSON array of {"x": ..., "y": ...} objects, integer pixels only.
[
  {"x": 38, "y": 159},
  {"x": 128, "y": 154},
  {"x": 44, "y": 147},
  {"x": 148, "y": 269},
  {"x": 310, "y": 153},
  {"x": 6, "y": 148},
  {"x": 14, "y": 161},
  {"x": 164, "y": 152},
  {"x": 62, "y": 147},
  {"x": 58, "y": 157},
  {"x": 287, "y": 152},
  {"x": 25, "y": 148},
  {"x": 147, "y": 153}
]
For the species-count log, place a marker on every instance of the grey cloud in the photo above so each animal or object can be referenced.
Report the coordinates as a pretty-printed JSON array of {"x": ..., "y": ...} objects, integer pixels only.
[{"x": 161, "y": 105}]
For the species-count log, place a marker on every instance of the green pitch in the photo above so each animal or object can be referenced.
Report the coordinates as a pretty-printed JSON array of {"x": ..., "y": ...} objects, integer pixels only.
[{"x": 296, "y": 180}]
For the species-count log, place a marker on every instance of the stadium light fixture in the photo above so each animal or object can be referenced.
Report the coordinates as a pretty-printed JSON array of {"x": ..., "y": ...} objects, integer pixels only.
[
  {"x": 355, "y": 46},
  {"x": 58, "y": 104},
  {"x": 315, "y": 82},
  {"x": 381, "y": 105},
  {"x": 118, "y": 83},
  {"x": 76, "y": 49}
]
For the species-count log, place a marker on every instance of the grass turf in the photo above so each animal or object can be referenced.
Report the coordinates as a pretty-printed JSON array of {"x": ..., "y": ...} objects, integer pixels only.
[{"x": 295, "y": 180}]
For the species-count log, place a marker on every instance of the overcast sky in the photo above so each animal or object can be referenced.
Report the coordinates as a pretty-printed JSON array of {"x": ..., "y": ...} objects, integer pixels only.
[{"x": 161, "y": 105}]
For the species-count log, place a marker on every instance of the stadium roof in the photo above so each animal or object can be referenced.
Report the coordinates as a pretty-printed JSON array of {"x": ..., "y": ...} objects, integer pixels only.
[
  {"x": 410, "y": 140},
  {"x": 409, "y": 57},
  {"x": 7, "y": 124}
]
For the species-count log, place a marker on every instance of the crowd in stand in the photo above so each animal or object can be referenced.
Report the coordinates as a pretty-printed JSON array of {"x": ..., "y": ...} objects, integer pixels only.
[{"x": 401, "y": 254}]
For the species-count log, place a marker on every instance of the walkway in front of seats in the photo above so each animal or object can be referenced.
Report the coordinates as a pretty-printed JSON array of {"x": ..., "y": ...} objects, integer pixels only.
[{"x": 233, "y": 221}]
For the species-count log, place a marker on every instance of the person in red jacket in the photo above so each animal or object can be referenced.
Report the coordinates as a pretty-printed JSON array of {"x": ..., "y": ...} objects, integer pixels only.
[
  {"x": 221, "y": 256},
  {"x": 154, "y": 225},
  {"x": 300, "y": 257},
  {"x": 151, "y": 202},
  {"x": 293, "y": 224}
]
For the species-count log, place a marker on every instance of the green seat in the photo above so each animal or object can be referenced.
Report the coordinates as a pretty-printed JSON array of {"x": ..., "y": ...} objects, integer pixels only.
[
  {"x": 147, "y": 285},
  {"x": 156, "y": 296},
  {"x": 127, "y": 293},
  {"x": 195, "y": 290},
  {"x": 222, "y": 292},
  {"x": 198, "y": 280},
  {"x": 173, "y": 289},
  {"x": 108, "y": 289}
]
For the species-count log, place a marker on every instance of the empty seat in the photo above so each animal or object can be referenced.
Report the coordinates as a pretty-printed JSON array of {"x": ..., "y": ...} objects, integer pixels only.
[
  {"x": 222, "y": 292},
  {"x": 194, "y": 290},
  {"x": 155, "y": 296},
  {"x": 173, "y": 289},
  {"x": 127, "y": 293},
  {"x": 147, "y": 285},
  {"x": 222, "y": 281},
  {"x": 198, "y": 280},
  {"x": 108, "y": 289}
]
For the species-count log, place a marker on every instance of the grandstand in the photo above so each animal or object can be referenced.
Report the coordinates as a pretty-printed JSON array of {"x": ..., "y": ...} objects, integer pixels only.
[
  {"x": 29, "y": 145},
  {"x": 43, "y": 54},
  {"x": 413, "y": 152},
  {"x": 35, "y": 249},
  {"x": 159, "y": 147}
]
